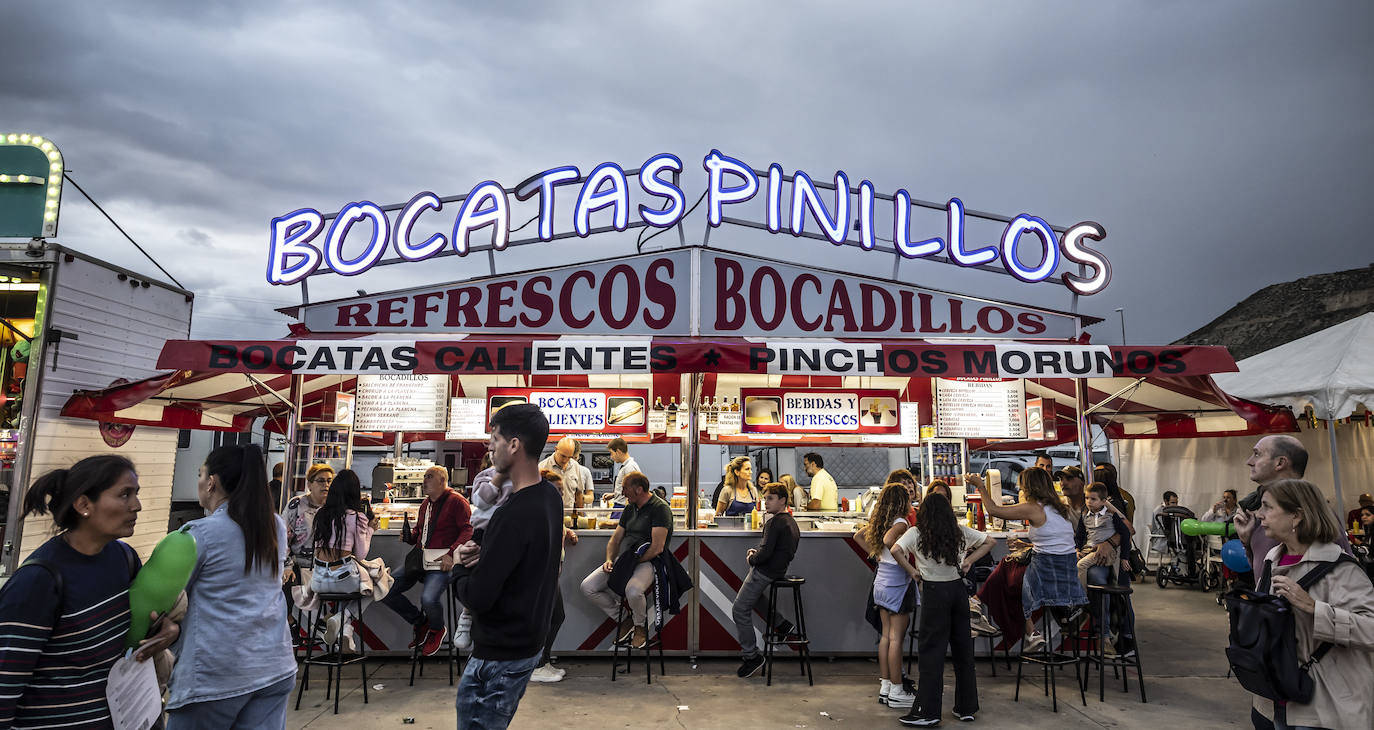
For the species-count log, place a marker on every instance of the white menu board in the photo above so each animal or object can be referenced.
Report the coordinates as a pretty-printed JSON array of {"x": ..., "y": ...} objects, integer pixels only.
[
  {"x": 402, "y": 403},
  {"x": 467, "y": 419},
  {"x": 910, "y": 419},
  {"x": 980, "y": 408}
]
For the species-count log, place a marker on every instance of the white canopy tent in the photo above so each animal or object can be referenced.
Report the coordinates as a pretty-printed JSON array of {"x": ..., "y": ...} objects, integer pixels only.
[{"x": 1332, "y": 371}]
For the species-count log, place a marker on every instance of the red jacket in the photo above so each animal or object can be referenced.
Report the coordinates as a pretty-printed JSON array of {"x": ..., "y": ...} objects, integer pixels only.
[{"x": 452, "y": 526}]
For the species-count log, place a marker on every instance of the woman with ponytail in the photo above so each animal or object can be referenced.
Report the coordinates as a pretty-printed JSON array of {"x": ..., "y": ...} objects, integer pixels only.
[
  {"x": 65, "y": 611},
  {"x": 234, "y": 665}
]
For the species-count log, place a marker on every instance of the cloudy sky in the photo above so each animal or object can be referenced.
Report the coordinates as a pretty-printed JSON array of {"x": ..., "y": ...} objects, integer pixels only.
[{"x": 1224, "y": 145}]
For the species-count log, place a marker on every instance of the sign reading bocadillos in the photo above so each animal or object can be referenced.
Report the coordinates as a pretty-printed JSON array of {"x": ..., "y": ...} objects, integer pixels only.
[{"x": 654, "y": 294}]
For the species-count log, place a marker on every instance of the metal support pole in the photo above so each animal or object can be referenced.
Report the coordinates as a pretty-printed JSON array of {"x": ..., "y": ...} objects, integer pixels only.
[
  {"x": 293, "y": 460},
  {"x": 1085, "y": 458},
  {"x": 1335, "y": 466},
  {"x": 690, "y": 446}
]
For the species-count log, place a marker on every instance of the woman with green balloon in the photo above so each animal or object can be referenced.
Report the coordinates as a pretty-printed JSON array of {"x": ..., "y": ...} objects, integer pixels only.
[
  {"x": 74, "y": 583},
  {"x": 234, "y": 663}
]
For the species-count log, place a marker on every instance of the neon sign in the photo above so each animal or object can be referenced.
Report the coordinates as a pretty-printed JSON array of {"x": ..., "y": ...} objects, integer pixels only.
[{"x": 294, "y": 253}]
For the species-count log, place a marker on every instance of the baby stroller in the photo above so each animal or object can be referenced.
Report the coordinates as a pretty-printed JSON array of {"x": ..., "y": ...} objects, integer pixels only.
[{"x": 1185, "y": 561}]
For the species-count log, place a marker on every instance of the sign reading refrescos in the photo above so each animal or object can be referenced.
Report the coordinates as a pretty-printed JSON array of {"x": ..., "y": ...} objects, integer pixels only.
[
  {"x": 305, "y": 240},
  {"x": 980, "y": 408},
  {"x": 402, "y": 403},
  {"x": 856, "y": 411},
  {"x": 618, "y": 410}
]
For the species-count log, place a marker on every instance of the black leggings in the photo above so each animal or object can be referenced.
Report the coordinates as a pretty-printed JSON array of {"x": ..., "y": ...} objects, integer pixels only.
[
  {"x": 555, "y": 623},
  {"x": 945, "y": 622}
]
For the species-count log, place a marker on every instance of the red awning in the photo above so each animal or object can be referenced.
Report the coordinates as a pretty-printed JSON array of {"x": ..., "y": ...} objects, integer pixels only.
[{"x": 1154, "y": 392}]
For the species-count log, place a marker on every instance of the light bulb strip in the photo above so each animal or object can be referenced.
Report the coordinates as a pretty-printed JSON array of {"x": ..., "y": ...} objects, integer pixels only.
[{"x": 53, "y": 200}]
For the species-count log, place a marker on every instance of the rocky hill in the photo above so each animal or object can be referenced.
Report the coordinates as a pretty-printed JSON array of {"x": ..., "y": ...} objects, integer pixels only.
[{"x": 1281, "y": 313}]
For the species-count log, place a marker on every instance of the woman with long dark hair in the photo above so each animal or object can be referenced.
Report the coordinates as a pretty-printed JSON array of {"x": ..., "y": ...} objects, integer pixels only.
[
  {"x": 343, "y": 535},
  {"x": 891, "y": 591},
  {"x": 70, "y": 599},
  {"x": 1052, "y": 576},
  {"x": 939, "y": 545},
  {"x": 234, "y": 665}
]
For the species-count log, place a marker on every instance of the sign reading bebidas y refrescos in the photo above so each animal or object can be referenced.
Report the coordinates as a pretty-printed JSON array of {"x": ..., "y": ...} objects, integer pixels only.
[{"x": 856, "y": 411}]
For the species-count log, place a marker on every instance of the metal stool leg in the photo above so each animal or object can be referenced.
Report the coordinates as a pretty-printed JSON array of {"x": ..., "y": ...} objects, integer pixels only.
[
  {"x": 805, "y": 638},
  {"x": 770, "y": 635},
  {"x": 309, "y": 645}
]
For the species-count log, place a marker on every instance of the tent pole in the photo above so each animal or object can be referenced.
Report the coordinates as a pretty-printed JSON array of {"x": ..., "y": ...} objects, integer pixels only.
[
  {"x": 1335, "y": 466},
  {"x": 1085, "y": 459}
]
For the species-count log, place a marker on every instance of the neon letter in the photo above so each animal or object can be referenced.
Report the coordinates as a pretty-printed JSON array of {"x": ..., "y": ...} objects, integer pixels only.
[
  {"x": 544, "y": 183},
  {"x": 716, "y": 166},
  {"x": 1030, "y": 224},
  {"x": 432, "y": 245},
  {"x": 774, "y": 198},
  {"x": 804, "y": 196},
  {"x": 291, "y": 236},
  {"x": 866, "y": 235},
  {"x": 338, "y": 231},
  {"x": 592, "y": 198},
  {"x": 648, "y": 179},
  {"x": 901, "y": 230},
  {"x": 1075, "y": 251},
  {"x": 956, "y": 239},
  {"x": 471, "y": 217}
]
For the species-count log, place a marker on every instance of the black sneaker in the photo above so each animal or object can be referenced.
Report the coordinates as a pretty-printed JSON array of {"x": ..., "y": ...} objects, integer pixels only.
[
  {"x": 750, "y": 666},
  {"x": 915, "y": 720},
  {"x": 963, "y": 716},
  {"x": 784, "y": 628}
]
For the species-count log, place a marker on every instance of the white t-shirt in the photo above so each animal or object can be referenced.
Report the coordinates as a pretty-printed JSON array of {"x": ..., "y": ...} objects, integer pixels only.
[
  {"x": 935, "y": 570},
  {"x": 626, "y": 466},
  {"x": 885, "y": 556},
  {"x": 823, "y": 487}
]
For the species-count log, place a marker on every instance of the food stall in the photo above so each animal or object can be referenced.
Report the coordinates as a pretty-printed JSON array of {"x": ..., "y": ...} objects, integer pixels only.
[{"x": 677, "y": 349}]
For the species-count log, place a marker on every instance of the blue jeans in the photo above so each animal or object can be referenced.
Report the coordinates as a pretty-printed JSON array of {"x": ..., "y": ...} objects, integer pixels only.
[
  {"x": 431, "y": 597},
  {"x": 259, "y": 710},
  {"x": 750, "y": 594},
  {"x": 490, "y": 691}
]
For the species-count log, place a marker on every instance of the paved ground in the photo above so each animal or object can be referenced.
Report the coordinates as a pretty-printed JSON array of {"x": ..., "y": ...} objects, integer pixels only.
[{"x": 1183, "y": 636}]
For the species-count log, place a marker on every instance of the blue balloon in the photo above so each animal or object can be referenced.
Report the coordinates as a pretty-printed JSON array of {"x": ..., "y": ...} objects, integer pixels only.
[{"x": 1233, "y": 556}]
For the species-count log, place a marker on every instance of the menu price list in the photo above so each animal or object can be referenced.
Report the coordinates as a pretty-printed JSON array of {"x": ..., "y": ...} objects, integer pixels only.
[
  {"x": 975, "y": 408},
  {"x": 402, "y": 403}
]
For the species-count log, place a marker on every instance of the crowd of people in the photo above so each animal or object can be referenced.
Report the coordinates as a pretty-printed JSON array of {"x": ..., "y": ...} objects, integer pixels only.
[{"x": 501, "y": 549}]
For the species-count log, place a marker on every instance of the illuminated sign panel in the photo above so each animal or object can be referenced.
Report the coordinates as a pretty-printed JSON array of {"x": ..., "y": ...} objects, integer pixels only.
[
  {"x": 618, "y": 410},
  {"x": 853, "y": 411},
  {"x": 303, "y": 241},
  {"x": 30, "y": 186}
]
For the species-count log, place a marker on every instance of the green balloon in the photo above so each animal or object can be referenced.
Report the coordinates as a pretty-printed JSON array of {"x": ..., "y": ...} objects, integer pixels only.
[
  {"x": 159, "y": 582},
  {"x": 1197, "y": 527}
]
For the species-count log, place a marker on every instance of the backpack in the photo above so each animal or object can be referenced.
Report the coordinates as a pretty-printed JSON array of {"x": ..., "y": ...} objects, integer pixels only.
[{"x": 1263, "y": 650}]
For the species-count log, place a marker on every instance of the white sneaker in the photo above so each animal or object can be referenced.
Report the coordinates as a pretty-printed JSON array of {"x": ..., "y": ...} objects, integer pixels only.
[
  {"x": 1032, "y": 643},
  {"x": 462, "y": 633},
  {"x": 899, "y": 698},
  {"x": 884, "y": 688},
  {"x": 981, "y": 625},
  {"x": 546, "y": 673},
  {"x": 331, "y": 629}
]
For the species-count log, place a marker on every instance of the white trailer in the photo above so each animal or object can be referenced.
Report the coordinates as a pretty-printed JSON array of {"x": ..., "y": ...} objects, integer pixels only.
[{"x": 72, "y": 322}]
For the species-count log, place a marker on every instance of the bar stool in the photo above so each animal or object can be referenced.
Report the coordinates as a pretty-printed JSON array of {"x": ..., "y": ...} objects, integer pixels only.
[
  {"x": 796, "y": 639},
  {"x": 913, "y": 635},
  {"x": 650, "y": 643},
  {"x": 455, "y": 655},
  {"x": 1100, "y": 596},
  {"x": 1050, "y": 660},
  {"x": 334, "y": 659}
]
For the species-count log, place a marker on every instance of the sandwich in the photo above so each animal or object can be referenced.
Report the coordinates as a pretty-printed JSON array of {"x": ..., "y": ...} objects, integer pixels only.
[{"x": 626, "y": 411}]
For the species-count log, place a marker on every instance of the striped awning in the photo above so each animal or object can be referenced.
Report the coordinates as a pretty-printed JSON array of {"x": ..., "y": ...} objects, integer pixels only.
[{"x": 1132, "y": 392}]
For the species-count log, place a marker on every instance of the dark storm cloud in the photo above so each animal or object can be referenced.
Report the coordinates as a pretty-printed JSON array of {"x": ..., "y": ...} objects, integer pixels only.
[{"x": 1225, "y": 146}]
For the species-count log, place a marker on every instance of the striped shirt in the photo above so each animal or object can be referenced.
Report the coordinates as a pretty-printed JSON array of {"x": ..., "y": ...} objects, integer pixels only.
[{"x": 54, "y": 676}]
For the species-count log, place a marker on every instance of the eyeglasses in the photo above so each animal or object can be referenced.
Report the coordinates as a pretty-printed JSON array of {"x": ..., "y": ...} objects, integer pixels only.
[{"x": 323, "y": 480}]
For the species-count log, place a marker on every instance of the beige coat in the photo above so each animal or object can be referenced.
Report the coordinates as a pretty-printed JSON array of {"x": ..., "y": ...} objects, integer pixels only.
[{"x": 1344, "y": 616}]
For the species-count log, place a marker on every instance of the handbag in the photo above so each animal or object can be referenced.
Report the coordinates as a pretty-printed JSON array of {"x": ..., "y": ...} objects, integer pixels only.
[
  {"x": 415, "y": 559},
  {"x": 1136, "y": 560},
  {"x": 338, "y": 577}
]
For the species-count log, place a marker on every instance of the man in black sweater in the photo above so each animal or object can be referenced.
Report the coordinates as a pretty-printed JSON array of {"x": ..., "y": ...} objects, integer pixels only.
[
  {"x": 768, "y": 560},
  {"x": 508, "y": 583}
]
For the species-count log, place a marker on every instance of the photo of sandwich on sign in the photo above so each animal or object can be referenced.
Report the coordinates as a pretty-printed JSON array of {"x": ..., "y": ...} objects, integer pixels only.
[
  {"x": 625, "y": 411},
  {"x": 762, "y": 411}
]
